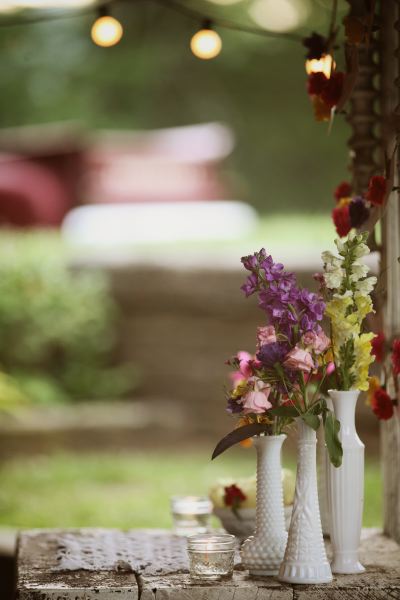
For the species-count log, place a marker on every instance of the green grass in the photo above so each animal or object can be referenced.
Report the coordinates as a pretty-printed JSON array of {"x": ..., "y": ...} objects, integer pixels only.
[{"x": 124, "y": 490}]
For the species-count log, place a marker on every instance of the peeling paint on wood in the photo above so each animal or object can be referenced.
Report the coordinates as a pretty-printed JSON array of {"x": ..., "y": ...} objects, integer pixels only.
[{"x": 75, "y": 565}]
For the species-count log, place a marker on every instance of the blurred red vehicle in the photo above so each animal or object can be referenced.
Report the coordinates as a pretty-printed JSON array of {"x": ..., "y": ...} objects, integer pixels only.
[{"x": 47, "y": 170}]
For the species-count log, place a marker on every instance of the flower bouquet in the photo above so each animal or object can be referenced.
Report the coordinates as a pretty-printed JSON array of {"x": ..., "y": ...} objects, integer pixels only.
[
  {"x": 347, "y": 288},
  {"x": 280, "y": 385}
]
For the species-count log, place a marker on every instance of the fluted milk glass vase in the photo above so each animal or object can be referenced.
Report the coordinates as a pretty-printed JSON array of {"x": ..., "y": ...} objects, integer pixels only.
[
  {"x": 346, "y": 488},
  {"x": 263, "y": 552},
  {"x": 305, "y": 558}
]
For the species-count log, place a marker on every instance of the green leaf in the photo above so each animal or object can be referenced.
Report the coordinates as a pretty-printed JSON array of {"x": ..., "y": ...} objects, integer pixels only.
[
  {"x": 238, "y": 435},
  {"x": 316, "y": 409},
  {"x": 333, "y": 444},
  {"x": 284, "y": 411},
  {"x": 311, "y": 420}
]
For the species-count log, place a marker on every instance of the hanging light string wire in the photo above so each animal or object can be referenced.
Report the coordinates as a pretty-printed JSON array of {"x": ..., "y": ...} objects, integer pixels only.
[{"x": 174, "y": 5}]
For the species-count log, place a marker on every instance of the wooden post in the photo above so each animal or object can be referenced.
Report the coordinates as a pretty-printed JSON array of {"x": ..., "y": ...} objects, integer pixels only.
[
  {"x": 364, "y": 143},
  {"x": 374, "y": 136},
  {"x": 390, "y": 111}
]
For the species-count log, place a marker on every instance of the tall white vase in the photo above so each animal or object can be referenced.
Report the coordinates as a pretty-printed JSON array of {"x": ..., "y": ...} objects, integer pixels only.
[
  {"x": 263, "y": 552},
  {"x": 305, "y": 558},
  {"x": 346, "y": 488}
]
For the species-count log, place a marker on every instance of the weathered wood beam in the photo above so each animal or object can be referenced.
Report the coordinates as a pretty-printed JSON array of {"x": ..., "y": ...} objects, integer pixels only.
[
  {"x": 390, "y": 109},
  {"x": 363, "y": 118}
]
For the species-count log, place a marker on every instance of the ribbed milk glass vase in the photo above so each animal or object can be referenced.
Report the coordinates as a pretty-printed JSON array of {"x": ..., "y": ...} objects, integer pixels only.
[
  {"x": 262, "y": 553},
  {"x": 305, "y": 558}
]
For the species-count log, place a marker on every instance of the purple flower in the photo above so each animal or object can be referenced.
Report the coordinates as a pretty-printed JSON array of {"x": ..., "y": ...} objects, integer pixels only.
[
  {"x": 311, "y": 307},
  {"x": 234, "y": 407},
  {"x": 251, "y": 284},
  {"x": 290, "y": 309},
  {"x": 252, "y": 262},
  {"x": 269, "y": 354},
  {"x": 358, "y": 211}
]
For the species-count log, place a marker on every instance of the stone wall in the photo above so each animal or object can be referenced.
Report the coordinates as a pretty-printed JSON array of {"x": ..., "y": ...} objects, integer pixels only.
[{"x": 180, "y": 325}]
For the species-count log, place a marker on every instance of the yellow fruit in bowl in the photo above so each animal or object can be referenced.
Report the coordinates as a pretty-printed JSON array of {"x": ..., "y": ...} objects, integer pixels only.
[
  {"x": 289, "y": 484},
  {"x": 248, "y": 485}
]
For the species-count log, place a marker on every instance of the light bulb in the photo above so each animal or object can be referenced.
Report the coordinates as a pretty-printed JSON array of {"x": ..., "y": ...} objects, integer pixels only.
[
  {"x": 206, "y": 44},
  {"x": 106, "y": 31},
  {"x": 324, "y": 65}
]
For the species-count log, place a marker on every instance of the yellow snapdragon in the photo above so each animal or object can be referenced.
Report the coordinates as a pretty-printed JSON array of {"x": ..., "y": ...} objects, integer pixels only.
[
  {"x": 363, "y": 356},
  {"x": 349, "y": 289}
]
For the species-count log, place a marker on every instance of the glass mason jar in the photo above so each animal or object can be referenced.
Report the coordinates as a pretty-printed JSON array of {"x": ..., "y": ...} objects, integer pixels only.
[
  {"x": 211, "y": 556},
  {"x": 191, "y": 514}
]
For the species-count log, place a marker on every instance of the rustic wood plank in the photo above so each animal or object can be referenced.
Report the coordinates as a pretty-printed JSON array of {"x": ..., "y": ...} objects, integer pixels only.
[
  {"x": 390, "y": 281},
  {"x": 48, "y": 571}
]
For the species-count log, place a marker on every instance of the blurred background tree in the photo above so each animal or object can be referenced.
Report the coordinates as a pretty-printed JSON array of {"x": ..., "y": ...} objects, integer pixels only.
[
  {"x": 58, "y": 327},
  {"x": 283, "y": 161}
]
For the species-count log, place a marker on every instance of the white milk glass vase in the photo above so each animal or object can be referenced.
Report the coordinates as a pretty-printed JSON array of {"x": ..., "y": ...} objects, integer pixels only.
[
  {"x": 346, "y": 488},
  {"x": 305, "y": 559},
  {"x": 263, "y": 552}
]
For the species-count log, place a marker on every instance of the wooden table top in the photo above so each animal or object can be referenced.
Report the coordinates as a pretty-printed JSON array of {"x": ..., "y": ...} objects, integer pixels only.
[{"x": 108, "y": 564}]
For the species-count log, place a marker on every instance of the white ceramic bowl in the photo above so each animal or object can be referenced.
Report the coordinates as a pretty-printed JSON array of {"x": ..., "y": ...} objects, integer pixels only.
[{"x": 244, "y": 527}]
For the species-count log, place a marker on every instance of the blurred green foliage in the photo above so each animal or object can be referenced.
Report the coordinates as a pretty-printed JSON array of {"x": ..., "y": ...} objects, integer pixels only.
[
  {"x": 283, "y": 160},
  {"x": 11, "y": 395},
  {"x": 127, "y": 490},
  {"x": 57, "y": 327}
]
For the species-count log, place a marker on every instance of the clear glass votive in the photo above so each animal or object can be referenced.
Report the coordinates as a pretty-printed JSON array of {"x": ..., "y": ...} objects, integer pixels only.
[
  {"x": 191, "y": 514},
  {"x": 211, "y": 556}
]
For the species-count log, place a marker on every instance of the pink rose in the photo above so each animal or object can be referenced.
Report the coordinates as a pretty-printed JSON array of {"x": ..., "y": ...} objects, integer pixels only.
[
  {"x": 256, "y": 401},
  {"x": 309, "y": 338},
  {"x": 265, "y": 335},
  {"x": 321, "y": 343},
  {"x": 245, "y": 363},
  {"x": 245, "y": 370},
  {"x": 318, "y": 342},
  {"x": 299, "y": 359}
]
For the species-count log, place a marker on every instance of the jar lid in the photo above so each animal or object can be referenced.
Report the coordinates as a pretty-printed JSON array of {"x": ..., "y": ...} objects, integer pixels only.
[{"x": 211, "y": 542}]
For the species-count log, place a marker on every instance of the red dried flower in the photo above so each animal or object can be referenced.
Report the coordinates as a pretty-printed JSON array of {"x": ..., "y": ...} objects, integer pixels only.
[
  {"x": 333, "y": 90},
  {"x": 396, "y": 357},
  {"x": 343, "y": 190},
  {"x": 382, "y": 404},
  {"x": 341, "y": 219},
  {"x": 322, "y": 112},
  {"x": 376, "y": 190},
  {"x": 233, "y": 495},
  {"x": 316, "y": 83},
  {"x": 358, "y": 211},
  {"x": 378, "y": 346}
]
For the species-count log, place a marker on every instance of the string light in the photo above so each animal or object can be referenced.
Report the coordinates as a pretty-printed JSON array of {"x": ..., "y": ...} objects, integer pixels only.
[
  {"x": 106, "y": 30},
  {"x": 206, "y": 43},
  {"x": 324, "y": 65}
]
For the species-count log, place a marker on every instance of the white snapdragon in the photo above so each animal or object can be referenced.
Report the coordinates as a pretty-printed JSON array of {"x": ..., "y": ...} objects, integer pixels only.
[
  {"x": 334, "y": 272},
  {"x": 346, "y": 294},
  {"x": 361, "y": 250},
  {"x": 358, "y": 271},
  {"x": 365, "y": 287},
  {"x": 329, "y": 258},
  {"x": 333, "y": 277},
  {"x": 340, "y": 245}
]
